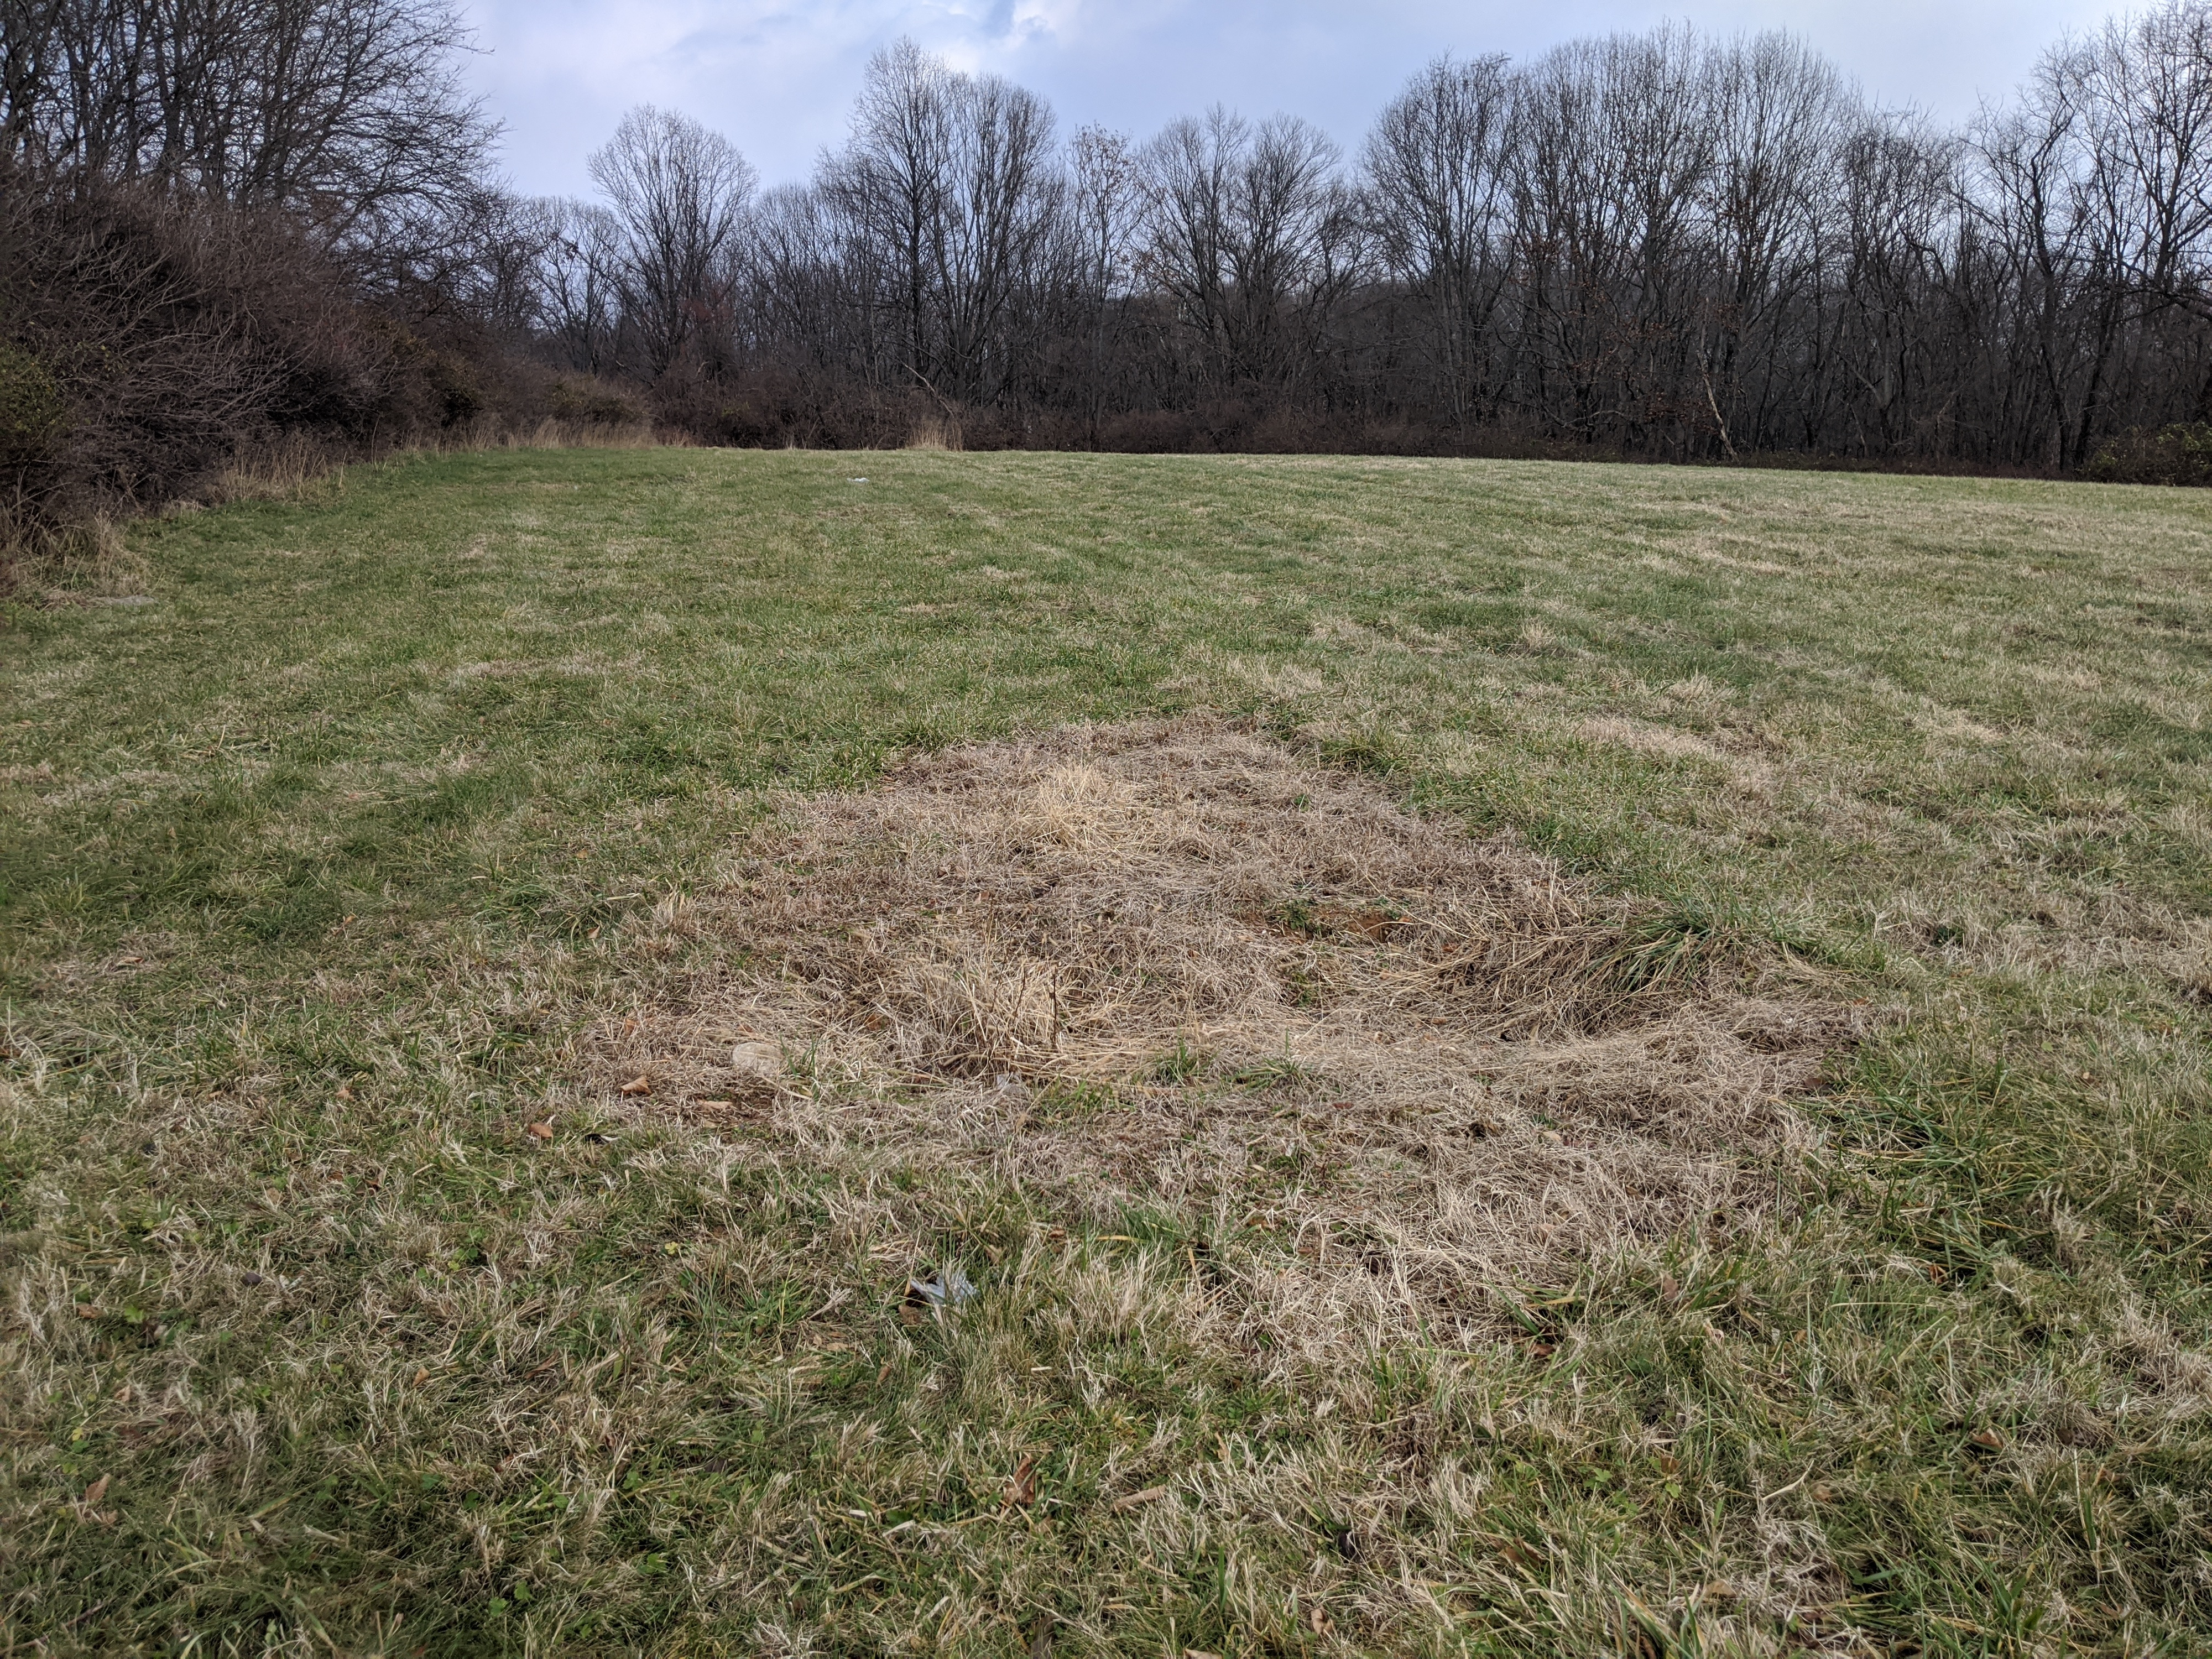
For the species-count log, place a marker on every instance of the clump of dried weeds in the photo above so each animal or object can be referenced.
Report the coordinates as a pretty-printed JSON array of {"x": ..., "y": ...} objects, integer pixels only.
[{"x": 1181, "y": 964}]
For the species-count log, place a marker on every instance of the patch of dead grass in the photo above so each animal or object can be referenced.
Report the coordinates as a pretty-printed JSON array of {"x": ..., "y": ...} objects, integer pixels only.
[
  {"x": 1748, "y": 776},
  {"x": 1181, "y": 964}
]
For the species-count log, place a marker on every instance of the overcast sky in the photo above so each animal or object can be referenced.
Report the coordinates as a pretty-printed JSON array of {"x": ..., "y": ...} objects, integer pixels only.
[{"x": 778, "y": 75}]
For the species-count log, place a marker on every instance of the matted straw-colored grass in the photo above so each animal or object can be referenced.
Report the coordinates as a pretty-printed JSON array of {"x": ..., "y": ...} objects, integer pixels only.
[{"x": 1180, "y": 963}]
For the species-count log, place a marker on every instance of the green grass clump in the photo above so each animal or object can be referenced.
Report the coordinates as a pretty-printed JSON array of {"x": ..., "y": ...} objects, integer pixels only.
[{"x": 314, "y": 863}]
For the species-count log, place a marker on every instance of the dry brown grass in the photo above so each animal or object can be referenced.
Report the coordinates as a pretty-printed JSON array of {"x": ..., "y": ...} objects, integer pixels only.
[
  {"x": 935, "y": 434},
  {"x": 283, "y": 469},
  {"x": 1181, "y": 964},
  {"x": 553, "y": 434},
  {"x": 86, "y": 558}
]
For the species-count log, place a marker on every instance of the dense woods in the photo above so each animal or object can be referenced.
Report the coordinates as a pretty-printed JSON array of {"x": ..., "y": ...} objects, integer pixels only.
[
  {"x": 230, "y": 221},
  {"x": 1662, "y": 244}
]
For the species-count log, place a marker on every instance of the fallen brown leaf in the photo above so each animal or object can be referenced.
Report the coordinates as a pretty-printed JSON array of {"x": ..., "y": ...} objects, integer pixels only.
[
  {"x": 640, "y": 1085},
  {"x": 1988, "y": 1440},
  {"x": 542, "y": 1131},
  {"x": 1135, "y": 1499},
  {"x": 345, "y": 1092},
  {"x": 421, "y": 1376},
  {"x": 95, "y": 1491},
  {"x": 1022, "y": 1489}
]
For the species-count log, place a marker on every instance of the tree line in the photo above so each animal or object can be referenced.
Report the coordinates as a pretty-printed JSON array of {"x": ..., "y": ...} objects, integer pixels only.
[
  {"x": 1659, "y": 244},
  {"x": 1662, "y": 244}
]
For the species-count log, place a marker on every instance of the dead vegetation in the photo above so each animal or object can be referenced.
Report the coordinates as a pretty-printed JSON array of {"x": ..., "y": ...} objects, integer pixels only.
[{"x": 1179, "y": 965}]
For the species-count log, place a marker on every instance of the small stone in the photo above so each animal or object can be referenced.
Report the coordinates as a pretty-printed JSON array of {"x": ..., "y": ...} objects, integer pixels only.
[{"x": 756, "y": 1060}]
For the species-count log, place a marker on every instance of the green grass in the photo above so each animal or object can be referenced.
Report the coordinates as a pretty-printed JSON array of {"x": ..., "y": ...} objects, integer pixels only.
[{"x": 315, "y": 866}]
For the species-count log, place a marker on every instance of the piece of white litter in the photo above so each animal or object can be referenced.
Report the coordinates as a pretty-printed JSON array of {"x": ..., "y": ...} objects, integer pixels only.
[
  {"x": 856, "y": 480},
  {"x": 950, "y": 1289}
]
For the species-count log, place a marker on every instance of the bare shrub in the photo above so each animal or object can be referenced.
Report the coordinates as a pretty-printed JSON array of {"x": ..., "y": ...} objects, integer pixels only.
[
  {"x": 592, "y": 403},
  {"x": 2181, "y": 454},
  {"x": 153, "y": 349},
  {"x": 173, "y": 336}
]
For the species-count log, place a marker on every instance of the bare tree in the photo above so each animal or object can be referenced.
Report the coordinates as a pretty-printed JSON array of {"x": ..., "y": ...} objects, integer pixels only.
[
  {"x": 680, "y": 192},
  {"x": 580, "y": 284},
  {"x": 1780, "y": 114},
  {"x": 1875, "y": 367},
  {"x": 1658, "y": 244},
  {"x": 1439, "y": 174},
  {"x": 2144, "y": 86},
  {"x": 948, "y": 193},
  {"x": 1105, "y": 195},
  {"x": 1255, "y": 237},
  {"x": 889, "y": 187},
  {"x": 351, "y": 114},
  {"x": 801, "y": 285}
]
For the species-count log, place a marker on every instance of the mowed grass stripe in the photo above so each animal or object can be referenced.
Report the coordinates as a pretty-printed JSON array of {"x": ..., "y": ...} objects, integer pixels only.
[{"x": 320, "y": 866}]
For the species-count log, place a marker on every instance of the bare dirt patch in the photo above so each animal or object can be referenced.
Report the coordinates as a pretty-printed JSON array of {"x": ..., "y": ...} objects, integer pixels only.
[{"x": 1183, "y": 965}]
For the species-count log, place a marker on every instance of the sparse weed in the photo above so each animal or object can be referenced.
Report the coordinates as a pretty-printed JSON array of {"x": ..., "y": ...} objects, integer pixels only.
[{"x": 1181, "y": 1065}]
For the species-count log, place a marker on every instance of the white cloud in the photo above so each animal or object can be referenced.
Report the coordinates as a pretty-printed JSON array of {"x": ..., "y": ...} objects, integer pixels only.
[{"x": 779, "y": 78}]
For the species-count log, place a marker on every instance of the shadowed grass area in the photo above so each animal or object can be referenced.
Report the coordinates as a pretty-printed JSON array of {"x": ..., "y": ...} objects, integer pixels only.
[{"x": 321, "y": 868}]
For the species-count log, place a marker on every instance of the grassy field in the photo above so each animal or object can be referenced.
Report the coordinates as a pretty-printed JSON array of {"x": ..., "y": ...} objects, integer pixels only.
[{"x": 352, "y": 1309}]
